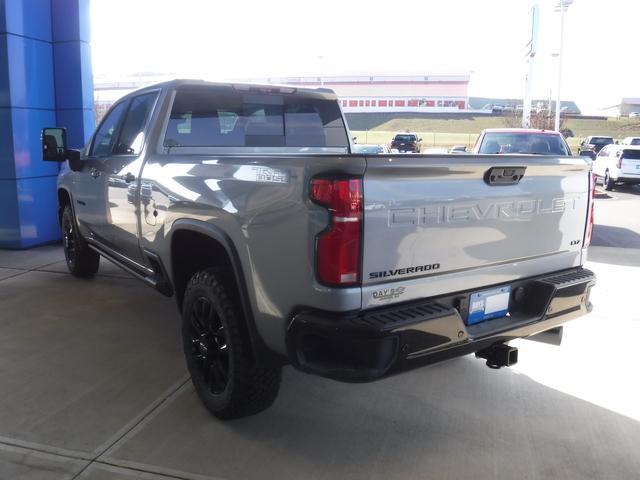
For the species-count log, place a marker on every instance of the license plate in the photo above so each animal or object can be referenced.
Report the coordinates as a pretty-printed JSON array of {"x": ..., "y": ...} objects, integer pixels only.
[{"x": 488, "y": 304}]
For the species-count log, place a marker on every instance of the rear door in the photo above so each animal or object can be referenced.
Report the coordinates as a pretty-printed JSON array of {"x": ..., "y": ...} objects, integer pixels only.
[
  {"x": 630, "y": 162},
  {"x": 120, "y": 171},
  {"x": 439, "y": 217}
]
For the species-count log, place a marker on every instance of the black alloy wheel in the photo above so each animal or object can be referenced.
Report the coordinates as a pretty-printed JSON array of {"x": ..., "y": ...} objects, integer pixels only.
[
  {"x": 209, "y": 346},
  {"x": 68, "y": 241},
  {"x": 81, "y": 261},
  {"x": 230, "y": 381}
]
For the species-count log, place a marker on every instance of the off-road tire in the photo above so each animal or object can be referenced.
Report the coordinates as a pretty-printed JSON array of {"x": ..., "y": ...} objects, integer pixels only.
[
  {"x": 82, "y": 262},
  {"x": 217, "y": 348}
]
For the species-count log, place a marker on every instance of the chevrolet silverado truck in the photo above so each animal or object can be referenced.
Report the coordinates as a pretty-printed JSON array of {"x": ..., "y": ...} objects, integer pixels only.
[{"x": 280, "y": 246}]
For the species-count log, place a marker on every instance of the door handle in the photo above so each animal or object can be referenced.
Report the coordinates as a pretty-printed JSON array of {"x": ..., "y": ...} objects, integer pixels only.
[
  {"x": 129, "y": 177},
  {"x": 95, "y": 173}
]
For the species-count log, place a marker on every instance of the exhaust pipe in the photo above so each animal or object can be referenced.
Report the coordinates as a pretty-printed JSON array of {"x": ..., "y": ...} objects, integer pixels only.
[
  {"x": 499, "y": 355},
  {"x": 552, "y": 337}
]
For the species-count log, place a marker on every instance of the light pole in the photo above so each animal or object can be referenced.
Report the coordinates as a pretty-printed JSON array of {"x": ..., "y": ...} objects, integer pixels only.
[
  {"x": 560, "y": 7},
  {"x": 531, "y": 49},
  {"x": 321, "y": 61}
]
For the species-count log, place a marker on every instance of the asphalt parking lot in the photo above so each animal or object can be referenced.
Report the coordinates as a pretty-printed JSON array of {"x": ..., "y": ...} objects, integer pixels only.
[{"x": 93, "y": 386}]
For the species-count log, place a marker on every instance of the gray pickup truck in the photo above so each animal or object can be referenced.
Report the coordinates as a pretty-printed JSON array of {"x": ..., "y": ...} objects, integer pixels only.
[{"x": 282, "y": 247}]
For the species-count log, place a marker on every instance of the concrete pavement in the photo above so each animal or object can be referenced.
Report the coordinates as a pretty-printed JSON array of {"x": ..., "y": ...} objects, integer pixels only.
[{"x": 102, "y": 393}]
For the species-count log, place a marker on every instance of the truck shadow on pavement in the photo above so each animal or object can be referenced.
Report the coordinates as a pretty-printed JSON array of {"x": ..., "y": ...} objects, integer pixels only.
[
  {"x": 615, "y": 245},
  {"x": 632, "y": 189},
  {"x": 609, "y": 236},
  {"x": 452, "y": 420}
]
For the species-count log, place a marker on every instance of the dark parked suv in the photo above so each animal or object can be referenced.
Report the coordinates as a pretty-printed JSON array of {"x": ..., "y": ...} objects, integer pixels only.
[
  {"x": 590, "y": 146},
  {"x": 406, "y": 142}
]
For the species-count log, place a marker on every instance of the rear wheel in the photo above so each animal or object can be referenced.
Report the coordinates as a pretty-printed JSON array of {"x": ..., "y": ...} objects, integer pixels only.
[
  {"x": 81, "y": 260},
  {"x": 608, "y": 182},
  {"x": 218, "y": 352}
]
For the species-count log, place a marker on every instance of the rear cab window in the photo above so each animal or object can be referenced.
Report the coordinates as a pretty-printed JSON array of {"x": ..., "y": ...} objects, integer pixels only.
[
  {"x": 405, "y": 138},
  {"x": 601, "y": 140},
  {"x": 213, "y": 116}
]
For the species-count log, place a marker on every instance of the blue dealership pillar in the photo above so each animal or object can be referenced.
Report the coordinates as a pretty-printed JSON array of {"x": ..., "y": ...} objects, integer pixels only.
[{"x": 45, "y": 80}]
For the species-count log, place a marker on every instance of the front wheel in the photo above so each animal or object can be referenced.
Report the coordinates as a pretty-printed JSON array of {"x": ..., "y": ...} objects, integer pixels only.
[
  {"x": 82, "y": 262},
  {"x": 608, "y": 182},
  {"x": 228, "y": 380}
]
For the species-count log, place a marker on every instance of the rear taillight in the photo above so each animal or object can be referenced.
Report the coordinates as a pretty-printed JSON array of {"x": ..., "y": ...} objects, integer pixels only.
[
  {"x": 619, "y": 160},
  {"x": 590, "y": 210},
  {"x": 338, "y": 248}
]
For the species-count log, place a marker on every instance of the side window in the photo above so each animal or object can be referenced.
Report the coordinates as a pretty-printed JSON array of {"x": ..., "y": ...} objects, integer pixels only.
[
  {"x": 604, "y": 152},
  {"x": 105, "y": 136},
  {"x": 131, "y": 137}
]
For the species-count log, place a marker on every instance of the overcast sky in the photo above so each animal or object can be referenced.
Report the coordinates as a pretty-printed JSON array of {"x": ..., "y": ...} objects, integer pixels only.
[{"x": 251, "y": 38}]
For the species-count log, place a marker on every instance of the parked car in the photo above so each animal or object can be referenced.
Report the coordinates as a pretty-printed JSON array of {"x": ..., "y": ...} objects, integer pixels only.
[
  {"x": 458, "y": 149},
  {"x": 590, "y": 146},
  {"x": 617, "y": 164},
  {"x": 280, "y": 247},
  {"x": 630, "y": 141},
  {"x": 370, "y": 148},
  {"x": 634, "y": 114},
  {"x": 406, "y": 142},
  {"x": 521, "y": 140}
]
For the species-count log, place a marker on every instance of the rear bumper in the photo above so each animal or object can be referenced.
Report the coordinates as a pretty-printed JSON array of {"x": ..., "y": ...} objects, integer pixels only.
[
  {"x": 376, "y": 343},
  {"x": 405, "y": 148},
  {"x": 622, "y": 177}
]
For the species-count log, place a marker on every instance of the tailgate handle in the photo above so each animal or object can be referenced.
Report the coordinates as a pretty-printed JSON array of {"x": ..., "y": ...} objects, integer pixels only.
[{"x": 504, "y": 175}]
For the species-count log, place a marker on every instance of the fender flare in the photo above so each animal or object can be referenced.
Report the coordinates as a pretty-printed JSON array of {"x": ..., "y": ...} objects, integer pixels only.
[
  {"x": 73, "y": 208},
  {"x": 261, "y": 352}
]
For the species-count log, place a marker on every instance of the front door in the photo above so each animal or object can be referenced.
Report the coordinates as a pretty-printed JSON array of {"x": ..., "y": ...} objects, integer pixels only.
[{"x": 90, "y": 199}]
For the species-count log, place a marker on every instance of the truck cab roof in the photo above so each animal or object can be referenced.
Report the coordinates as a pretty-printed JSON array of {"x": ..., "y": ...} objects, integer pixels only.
[{"x": 324, "y": 93}]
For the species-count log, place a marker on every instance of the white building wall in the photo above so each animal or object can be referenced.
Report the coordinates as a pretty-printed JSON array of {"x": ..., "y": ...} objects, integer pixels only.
[{"x": 400, "y": 90}]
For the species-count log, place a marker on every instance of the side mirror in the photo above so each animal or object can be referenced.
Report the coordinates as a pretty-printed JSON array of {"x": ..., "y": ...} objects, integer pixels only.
[
  {"x": 355, "y": 139},
  {"x": 419, "y": 139},
  {"x": 54, "y": 148},
  {"x": 54, "y": 144},
  {"x": 617, "y": 142}
]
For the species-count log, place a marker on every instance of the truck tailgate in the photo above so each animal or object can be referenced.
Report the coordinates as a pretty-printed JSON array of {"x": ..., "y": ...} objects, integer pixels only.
[{"x": 435, "y": 224}]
